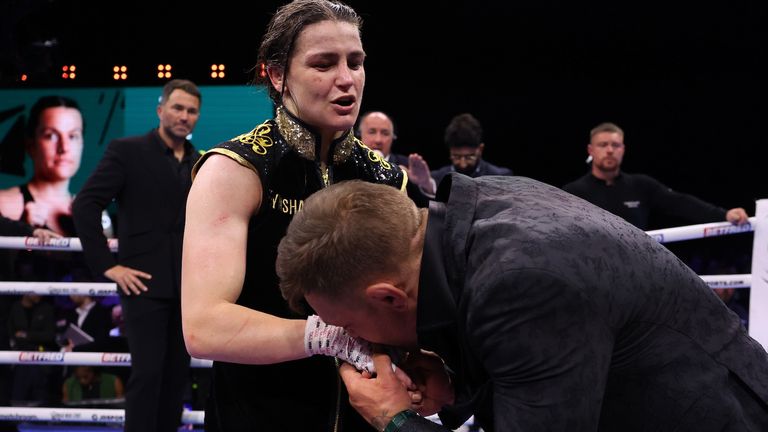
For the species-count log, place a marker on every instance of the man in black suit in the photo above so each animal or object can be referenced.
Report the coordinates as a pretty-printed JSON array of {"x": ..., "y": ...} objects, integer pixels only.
[
  {"x": 376, "y": 130},
  {"x": 149, "y": 176},
  {"x": 464, "y": 139},
  {"x": 93, "y": 319},
  {"x": 551, "y": 313}
]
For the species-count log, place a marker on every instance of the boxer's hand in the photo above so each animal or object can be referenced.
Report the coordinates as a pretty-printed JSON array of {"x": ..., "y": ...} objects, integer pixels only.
[{"x": 324, "y": 339}]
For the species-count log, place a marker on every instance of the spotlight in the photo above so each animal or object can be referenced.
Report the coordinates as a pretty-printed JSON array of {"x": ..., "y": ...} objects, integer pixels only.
[
  {"x": 164, "y": 71},
  {"x": 217, "y": 71},
  {"x": 120, "y": 72},
  {"x": 68, "y": 72}
]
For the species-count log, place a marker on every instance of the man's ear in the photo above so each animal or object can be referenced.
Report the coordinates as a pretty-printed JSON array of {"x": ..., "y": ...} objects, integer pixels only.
[
  {"x": 386, "y": 295},
  {"x": 276, "y": 77},
  {"x": 480, "y": 149}
]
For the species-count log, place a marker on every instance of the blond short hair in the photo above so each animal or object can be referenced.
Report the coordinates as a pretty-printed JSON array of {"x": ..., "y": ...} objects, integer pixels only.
[
  {"x": 345, "y": 236},
  {"x": 605, "y": 127}
]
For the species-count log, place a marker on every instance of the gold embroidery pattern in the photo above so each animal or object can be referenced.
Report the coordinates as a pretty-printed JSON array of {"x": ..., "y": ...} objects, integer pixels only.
[
  {"x": 295, "y": 134},
  {"x": 373, "y": 156},
  {"x": 258, "y": 139},
  {"x": 344, "y": 149},
  {"x": 303, "y": 141}
]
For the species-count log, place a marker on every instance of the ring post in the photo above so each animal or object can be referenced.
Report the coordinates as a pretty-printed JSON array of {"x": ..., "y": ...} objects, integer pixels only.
[{"x": 758, "y": 296}]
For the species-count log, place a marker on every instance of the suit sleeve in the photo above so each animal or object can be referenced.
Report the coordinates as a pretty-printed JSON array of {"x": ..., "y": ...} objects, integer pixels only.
[
  {"x": 681, "y": 205},
  {"x": 104, "y": 185},
  {"x": 546, "y": 351},
  {"x": 10, "y": 227}
]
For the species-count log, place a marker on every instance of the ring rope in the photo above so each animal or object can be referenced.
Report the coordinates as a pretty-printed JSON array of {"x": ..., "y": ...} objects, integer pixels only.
[
  {"x": 100, "y": 289},
  {"x": 82, "y": 415},
  {"x": 79, "y": 358},
  {"x": 728, "y": 281},
  {"x": 69, "y": 244},
  {"x": 109, "y": 289},
  {"x": 692, "y": 232},
  {"x": 666, "y": 235}
]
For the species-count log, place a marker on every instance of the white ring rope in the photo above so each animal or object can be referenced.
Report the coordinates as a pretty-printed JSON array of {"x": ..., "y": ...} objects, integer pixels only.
[
  {"x": 109, "y": 289},
  {"x": 103, "y": 289},
  {"x": 728, "y": 281},
  {"x": 78, "y": 359},
  {"x": 70, "y": 244},
  {"x": 83, "y": 415},
  {"x": 666, "y": 235},
  {"x": 691, "y": 232}
]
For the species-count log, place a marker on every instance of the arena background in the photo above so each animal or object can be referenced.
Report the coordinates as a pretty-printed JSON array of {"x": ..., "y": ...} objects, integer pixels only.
[{"x": 686, "y": 81}]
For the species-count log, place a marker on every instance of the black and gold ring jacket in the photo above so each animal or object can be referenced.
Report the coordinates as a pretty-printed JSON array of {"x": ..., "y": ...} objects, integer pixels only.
[
  {"x": 285, "y": 153},
  {"x": 304, "y": 394}
]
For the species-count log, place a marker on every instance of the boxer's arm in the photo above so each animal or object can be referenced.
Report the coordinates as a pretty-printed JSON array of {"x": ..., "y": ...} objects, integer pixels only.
[{"x": 222, "y": 200}]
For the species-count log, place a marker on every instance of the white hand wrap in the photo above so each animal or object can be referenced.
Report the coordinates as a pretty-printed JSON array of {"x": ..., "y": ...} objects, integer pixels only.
[{"x": 324, "y": 339}]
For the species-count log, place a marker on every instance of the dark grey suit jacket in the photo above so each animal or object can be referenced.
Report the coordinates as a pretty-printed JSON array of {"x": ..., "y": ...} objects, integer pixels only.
[{"x": 558, "y": 316}]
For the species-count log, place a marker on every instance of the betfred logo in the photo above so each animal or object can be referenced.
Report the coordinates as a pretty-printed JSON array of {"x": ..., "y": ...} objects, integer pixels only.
[
  {"x": 726, "y": 229},
  {"x": 45, "y": 357},
  {"x": 113, "y": 358},
  {"x": 54, "y": 243}
]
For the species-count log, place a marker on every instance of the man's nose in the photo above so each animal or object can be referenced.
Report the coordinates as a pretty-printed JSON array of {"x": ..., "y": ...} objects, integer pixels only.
[{"x": 65, "y": 143}]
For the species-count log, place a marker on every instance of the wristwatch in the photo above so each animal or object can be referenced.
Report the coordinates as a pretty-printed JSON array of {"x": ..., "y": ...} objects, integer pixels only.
[{"x": 399, "y": 419}]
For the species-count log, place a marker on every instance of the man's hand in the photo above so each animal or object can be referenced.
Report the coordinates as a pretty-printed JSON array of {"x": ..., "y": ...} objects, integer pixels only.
[
  {"x": 128, "y": 279},
  {"x": 427, "y": 371},
  {"x": 418, "y": 173},
  {"x": 44, "y": 234},
  {"x": 376, "y": 399},
  {"x": 37, "y": 213},
  {"x": 737, "y": 216}
]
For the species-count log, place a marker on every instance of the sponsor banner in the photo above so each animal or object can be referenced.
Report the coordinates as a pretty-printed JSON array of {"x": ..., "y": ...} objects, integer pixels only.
[
  {"x": 41, "y": 357},
  {"x": 116, "y": 417},
  {"x": 19, "y": 417},
  {"x": 54, "y": 243},
  {"x": 728, "y": 281},
  {"x": 68, "y": 415},
  {"x": 63, "y": 291},
  {"x": 116, "y": 358},
  {"x": 726, "y": 230}
]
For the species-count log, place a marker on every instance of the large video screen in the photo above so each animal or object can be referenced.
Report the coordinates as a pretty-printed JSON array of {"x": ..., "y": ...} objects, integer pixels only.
[
  {"x": 110, "y": 113},
  {"x": 41, "y": 173}
]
